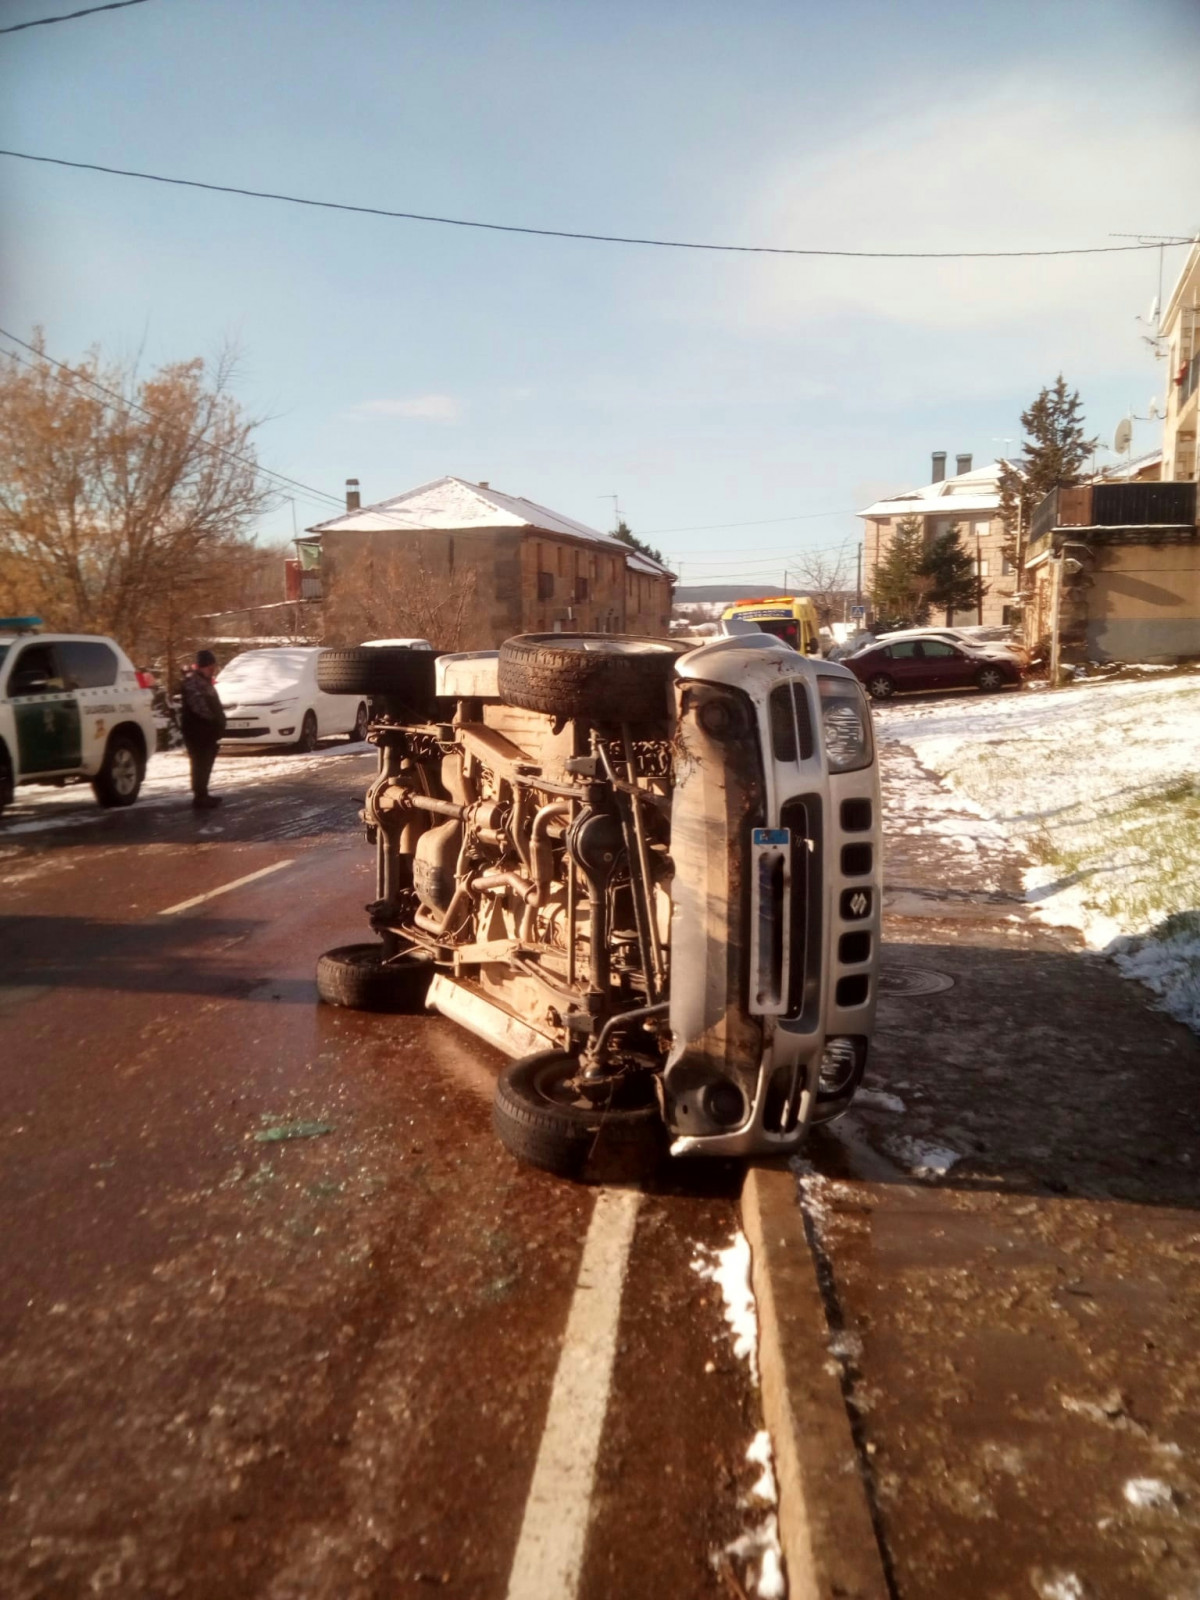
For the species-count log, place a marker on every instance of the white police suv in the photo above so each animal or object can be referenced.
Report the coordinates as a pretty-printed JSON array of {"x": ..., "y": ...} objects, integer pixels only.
[{"x": 72, "y": 705}]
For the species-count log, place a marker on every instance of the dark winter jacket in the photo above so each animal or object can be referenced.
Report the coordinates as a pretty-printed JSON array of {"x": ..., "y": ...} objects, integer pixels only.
[{"x": 202, "y": 716}]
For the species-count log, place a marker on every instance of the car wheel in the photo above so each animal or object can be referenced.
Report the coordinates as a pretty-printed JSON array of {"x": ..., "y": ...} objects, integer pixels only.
[
  {"x": 356, "y": 976},
  {"x": 989, "y": 679},
  {"x": 307, "y": 742},
  {"x": 120, "y": 778},
  {"x": 361, "y": 723},
  {"x": 544, "y": 1117},
  {"x": 602, "y": 676},
  {"x": 8, "y": 786},
  {"x": 880, "y": 687}
]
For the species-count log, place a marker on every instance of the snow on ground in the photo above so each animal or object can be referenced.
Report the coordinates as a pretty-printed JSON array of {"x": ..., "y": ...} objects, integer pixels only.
[
  {"x": 729, "y": 1269},
  {"x": 758, "y": 1548},
  {"x": 41, "y": 806},
  {"x": 1100, "y": 784}
]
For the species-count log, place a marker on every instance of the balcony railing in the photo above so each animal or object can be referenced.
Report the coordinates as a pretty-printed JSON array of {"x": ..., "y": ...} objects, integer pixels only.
[{"x": 1116, "y": 505}]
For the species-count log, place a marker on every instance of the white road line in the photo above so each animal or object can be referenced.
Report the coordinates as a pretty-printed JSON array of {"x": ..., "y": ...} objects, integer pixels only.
[
  {"x": 550, "y": 1550},
  {"x": 198, "y": 900}
]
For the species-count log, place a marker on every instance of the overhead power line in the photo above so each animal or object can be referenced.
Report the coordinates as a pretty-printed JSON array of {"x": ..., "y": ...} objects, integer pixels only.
[
  {"x": 125, "y": 403},
  {"x": 566, "y": 233},
  {"x": 71, "y": 16}
]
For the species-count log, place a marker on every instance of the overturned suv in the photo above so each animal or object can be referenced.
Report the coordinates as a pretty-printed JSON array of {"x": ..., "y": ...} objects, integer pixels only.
[{"x": 649, "y": 874}]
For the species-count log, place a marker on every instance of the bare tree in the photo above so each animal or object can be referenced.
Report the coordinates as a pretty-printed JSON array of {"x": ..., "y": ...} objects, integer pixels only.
[
  {"x": 395, "y": 595},
  {"x": 826, "y": 580},
  {"x": 124, "y": 501}
]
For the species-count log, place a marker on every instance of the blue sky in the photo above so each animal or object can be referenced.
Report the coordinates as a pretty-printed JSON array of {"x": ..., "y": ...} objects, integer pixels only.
[{"x": 701, "y": 389}]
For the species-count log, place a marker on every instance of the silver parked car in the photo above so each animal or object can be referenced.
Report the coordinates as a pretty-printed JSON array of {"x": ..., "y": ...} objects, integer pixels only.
[{"x": 650, "y": 875}]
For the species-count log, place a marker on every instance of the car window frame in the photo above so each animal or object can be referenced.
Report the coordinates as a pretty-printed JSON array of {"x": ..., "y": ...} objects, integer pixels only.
[{"x": 57, "y": 684}]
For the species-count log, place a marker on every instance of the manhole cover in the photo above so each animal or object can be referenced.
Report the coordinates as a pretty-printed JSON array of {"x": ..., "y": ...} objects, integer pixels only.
[{"x": 905, "y": 983}]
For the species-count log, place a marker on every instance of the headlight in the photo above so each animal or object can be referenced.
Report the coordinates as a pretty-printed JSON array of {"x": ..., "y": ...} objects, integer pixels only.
[{"x": 845, "y": 724}]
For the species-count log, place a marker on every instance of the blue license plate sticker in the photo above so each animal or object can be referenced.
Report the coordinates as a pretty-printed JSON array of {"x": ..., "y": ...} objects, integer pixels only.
[{"x": 772, "y": 836}]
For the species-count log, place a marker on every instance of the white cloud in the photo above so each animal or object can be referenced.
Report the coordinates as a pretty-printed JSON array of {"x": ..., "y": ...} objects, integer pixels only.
[
  {"x": 420, "y": 408},
  {"x": 1037, "y": 164}
]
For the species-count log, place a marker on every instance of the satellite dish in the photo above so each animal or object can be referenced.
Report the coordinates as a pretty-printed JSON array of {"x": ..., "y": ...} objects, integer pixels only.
[
  {"x": 1153, "y": 409},
  {"x": 1123, "y": 436}
]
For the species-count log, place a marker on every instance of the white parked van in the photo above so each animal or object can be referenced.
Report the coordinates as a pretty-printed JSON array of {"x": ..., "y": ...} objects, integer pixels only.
[{"x": 272, "y": 697}]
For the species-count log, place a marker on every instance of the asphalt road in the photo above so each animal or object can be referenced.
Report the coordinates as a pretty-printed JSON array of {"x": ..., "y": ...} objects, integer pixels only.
[{"x": 278, "y": 1316}]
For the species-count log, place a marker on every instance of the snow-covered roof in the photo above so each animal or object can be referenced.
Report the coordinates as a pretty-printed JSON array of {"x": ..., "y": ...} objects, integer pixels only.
[
  {"x": 969, "y": 491},
  {"x": 453, "y": 505},
  {"x": 1123, "y": 470}
]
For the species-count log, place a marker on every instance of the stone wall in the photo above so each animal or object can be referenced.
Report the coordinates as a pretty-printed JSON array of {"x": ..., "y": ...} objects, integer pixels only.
[{"x": 1132, "y": 602}]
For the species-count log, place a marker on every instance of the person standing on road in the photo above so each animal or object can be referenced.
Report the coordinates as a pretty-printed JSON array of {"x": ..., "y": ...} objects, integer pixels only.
[{"x": 203, "y": 722}]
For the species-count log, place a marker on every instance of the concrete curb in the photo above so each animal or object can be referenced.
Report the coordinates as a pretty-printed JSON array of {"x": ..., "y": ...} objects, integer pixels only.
[{"x": 825, "y": 1521}]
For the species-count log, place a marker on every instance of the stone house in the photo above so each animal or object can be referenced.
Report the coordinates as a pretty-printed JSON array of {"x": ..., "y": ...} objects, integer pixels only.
[
  {"x": 467, "y": 567},
  {"x": 1120, "y": 560},
  {"x": 970, "y": 501}
]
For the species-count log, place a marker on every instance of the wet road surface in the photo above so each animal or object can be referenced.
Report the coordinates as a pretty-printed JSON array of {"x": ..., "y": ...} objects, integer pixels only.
[{"x": 278, "y": 1315}]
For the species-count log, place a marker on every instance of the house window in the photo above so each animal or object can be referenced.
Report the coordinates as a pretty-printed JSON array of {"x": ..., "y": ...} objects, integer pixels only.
[
  {"x": 545, "y": 589},
  {"x": 581, "y": 587},
  {"x": 1008, "y": 616},
  {"x": 1006, "y": 566},
  {"x": 983, "y": 566},
  {"x": 561, "y": 561}
]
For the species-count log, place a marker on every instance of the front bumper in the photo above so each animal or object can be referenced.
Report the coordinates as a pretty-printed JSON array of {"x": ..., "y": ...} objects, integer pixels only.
[
  {"x": 775, "y": 934},
  {"x": 260, "y": 729}
]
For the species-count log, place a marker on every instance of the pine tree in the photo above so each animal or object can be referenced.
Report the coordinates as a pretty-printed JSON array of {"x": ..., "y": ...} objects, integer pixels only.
[
  {"x": 954, "y": 583},
  {"x": 634, "y": 543},
  {"x": 1053, "y": 456},
  {"x": 900, "y": 591}
]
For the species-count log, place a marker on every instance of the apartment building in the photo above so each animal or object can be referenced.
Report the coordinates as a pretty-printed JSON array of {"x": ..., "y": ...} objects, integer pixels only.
[{"x": 968, "y": 501}]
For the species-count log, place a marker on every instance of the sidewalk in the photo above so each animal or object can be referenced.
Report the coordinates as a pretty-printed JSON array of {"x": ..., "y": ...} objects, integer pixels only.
[{"x": 1006, "y": 1233}]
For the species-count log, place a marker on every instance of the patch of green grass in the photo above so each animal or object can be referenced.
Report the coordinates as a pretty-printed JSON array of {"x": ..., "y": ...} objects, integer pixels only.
[{"x": 1137, "y": 863}]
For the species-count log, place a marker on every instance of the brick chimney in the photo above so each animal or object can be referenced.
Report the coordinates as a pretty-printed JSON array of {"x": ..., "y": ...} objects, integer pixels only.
[
  {"x": 353, "y": 498},
  {"x": 961, "y": 464},
  {"x": 939, "y": 466}
]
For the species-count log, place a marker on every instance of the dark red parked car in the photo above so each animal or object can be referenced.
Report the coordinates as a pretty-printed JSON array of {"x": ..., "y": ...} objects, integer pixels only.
[{"x": 911, "y": 664}]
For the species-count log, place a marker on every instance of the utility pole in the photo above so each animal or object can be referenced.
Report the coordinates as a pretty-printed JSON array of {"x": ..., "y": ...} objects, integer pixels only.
[
  {"x": 785, "y": 580},
  {"x": 858, "y": 579},
  {"x": 1055, "y": 605}
]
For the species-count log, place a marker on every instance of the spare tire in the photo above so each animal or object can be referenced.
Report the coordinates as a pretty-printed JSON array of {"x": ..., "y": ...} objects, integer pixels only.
[
  {"x": 384, "y": 671},
  {"x": 607, "y": 677}
]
